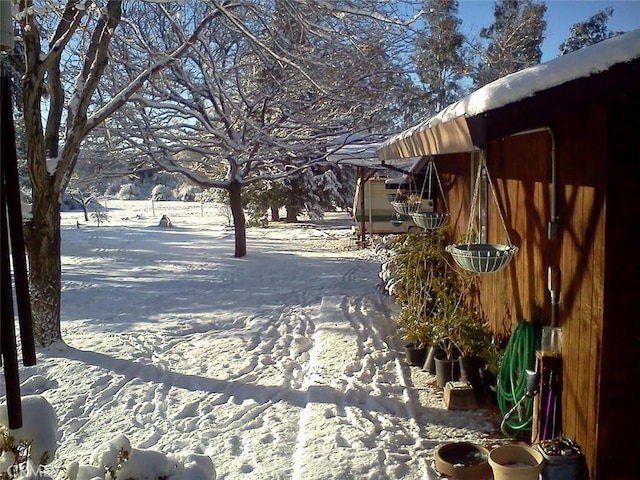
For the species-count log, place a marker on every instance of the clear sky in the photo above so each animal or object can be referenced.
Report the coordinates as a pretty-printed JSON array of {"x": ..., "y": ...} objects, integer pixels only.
[{"x": 560, "y": 16}]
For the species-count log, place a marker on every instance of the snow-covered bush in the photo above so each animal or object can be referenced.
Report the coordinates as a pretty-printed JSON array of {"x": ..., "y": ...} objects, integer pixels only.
[
  {"x": 25, "y": 451},
  {"x": 26, "y": 194},
  {"x": 162, "y": 193},
  {"x": 382, "y": 250},
  {"x": 117, "y": 459},
  {"x": 129, "y": 191},
  {"x": 210, "y": 195},
  {"x": 187, "y": 192}
]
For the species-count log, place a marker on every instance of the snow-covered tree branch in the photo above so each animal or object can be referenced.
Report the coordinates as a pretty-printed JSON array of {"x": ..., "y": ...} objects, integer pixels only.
[{"x": 262, "y": 94}]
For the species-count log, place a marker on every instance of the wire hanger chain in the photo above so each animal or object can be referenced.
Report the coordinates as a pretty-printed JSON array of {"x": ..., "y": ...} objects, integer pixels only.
[{"x": 475, "y": 200}]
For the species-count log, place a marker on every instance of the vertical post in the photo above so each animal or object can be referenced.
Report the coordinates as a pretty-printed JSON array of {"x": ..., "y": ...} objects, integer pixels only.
[
  {"x": 8, "y": 347},
  {"x": 546, "y": 417},
  {"x": 12, "y": 245},
  {"x": 11, "y": 192},
  {"x": 363, "y": 222}
]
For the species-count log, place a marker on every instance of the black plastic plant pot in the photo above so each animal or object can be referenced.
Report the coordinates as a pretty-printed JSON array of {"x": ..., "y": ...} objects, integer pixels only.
[{"x": 415, "y": 356}]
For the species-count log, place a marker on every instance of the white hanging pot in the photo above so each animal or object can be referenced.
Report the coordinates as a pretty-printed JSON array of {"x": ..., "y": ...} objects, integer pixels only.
[
  {"x": 430, "y": 220},
  {"x": 482, "y": 257},
  {"x": 406, "y": 208}
]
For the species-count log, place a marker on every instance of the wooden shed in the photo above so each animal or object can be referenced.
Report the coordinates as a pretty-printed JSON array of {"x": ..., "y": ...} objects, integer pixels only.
[{"x": 562, "y": 145}]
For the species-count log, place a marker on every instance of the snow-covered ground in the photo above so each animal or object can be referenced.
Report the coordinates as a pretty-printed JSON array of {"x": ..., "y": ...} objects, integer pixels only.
[{"x": 283, "y": 364}]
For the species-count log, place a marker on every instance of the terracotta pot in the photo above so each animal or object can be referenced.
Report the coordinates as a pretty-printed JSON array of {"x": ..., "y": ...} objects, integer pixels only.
[
  {"x": 463, "y": 460},
  {"x": 515, "y": 462}
]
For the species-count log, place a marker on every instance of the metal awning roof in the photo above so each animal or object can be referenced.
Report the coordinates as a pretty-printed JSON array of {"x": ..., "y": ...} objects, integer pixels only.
[
  {"x": 357, "y": 154},
  {"x": 353, "y": 150},
  {"x": 449, "y": 137}
]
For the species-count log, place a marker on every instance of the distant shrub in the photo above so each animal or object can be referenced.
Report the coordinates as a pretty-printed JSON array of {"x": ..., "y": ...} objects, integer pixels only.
[
  {"x": 129, "y": 191},
  {"x": 210, "y": 195},
  {"x": 187, "y": 193},
  {"x": 162, "y": 193}
]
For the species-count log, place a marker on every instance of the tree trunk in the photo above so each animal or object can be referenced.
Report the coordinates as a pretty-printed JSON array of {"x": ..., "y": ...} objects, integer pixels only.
[
  {"x": 275, "y": 213},
  {"x": 292, "y": 215},
  {"x": 235, "y": 202},
  {"x": 42, "y": 238},
  {"x": 85, "y": 211}
]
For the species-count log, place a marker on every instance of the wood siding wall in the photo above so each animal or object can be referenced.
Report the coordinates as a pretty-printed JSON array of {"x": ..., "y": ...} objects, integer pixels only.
[
  {"x": 582, "y": 157},
  {"x": 618, "y": 420},
  {"x": 520, "y": 167}
]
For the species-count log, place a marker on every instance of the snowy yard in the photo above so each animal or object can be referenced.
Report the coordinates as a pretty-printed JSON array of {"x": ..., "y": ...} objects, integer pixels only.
[{"x": 283, "y": 364}]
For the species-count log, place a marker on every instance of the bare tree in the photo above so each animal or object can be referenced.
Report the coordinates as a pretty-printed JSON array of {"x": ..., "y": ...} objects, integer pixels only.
[
  {"x": 262, "y": 93},
  {"x": 62, "y": 41},
  {"x": 66, "y": 95}
]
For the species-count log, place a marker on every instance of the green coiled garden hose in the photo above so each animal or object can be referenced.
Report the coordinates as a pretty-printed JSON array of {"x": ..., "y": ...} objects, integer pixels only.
[{"x": 519, "y": 355}]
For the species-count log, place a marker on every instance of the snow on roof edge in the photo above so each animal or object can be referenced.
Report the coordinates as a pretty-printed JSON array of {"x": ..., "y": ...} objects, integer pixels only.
[{"x": 527, "y": 82}]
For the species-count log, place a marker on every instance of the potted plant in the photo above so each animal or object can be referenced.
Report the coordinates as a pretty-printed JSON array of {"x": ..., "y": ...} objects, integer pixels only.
[
  {"x": 475, "y": 344},
  {"x": 446, "y": 325},
  {"x": 416, "y": 334},
  {"x": 407, "y": 206},
  {"x": 465, "y": 338},
  {"x": 424, "y": 281}
]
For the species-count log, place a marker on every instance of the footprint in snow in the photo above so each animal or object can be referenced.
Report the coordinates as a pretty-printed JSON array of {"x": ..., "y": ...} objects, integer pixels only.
[
  {"x": 37, "y": 384},
  {"x": 342, "y": 442}
]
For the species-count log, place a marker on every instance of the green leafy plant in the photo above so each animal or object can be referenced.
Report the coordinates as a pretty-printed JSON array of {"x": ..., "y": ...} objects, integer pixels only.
[
  {"x": 426, "y": 284},
  {"x": 437, "y": 299}
]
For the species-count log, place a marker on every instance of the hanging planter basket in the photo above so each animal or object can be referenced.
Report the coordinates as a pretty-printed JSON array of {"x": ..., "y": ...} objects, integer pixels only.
[
  {"x": 482, "y": 257},
  {"x": 406, "y": 208},
  {"x": 430, "y": 220}
]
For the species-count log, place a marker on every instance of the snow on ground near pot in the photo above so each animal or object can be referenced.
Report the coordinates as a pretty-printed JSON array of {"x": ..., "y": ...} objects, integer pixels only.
[{"x": 281, "y": 364}]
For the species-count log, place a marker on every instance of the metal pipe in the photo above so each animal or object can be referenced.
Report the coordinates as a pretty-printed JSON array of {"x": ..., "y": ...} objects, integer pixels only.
[
  {"x": 552, "y": 227},
  {"x": 553, "y": 284},
  {"x": 7, "y": 331},
  {"x": 552, "y": 232},
  {"x": 14, "y": 217}
]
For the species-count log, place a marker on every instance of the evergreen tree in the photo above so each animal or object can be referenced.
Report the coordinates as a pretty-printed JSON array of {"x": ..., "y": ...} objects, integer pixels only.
[
  {"x": 440, "y": 54},
  {"x": 514, "y": 39},
  {"x": 589, "y": 32}
]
